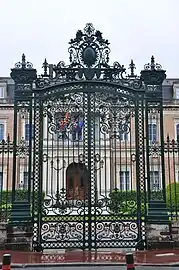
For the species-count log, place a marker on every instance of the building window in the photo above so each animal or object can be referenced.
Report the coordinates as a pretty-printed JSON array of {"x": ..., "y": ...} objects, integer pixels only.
[
  {"x": 25, "y": 180},
  {"x": 177, "y": 93},
  {"x": 155, "y": 183},
  {"x": 1, "y": 180},
  {"x": 124, "y": 180},
  {"x": 177, "y": 131},
  {"x": 123, "y": 131},
  {"x": 152, "y": 129},
  {"x": 176, "y": 177},
  {"x": 1, "y": 132},
  {"x": 27, "y": 131},
  {"x": 97, "y": 128},
  {"x": 2, "y": 91},
  {"x": 124, "y": 136}
]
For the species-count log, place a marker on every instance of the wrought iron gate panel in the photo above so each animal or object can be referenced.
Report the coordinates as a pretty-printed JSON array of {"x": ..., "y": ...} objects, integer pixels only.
[
  {"x": 115, "y": 227},
  {"x": 106, "y": 147},
  {"x": 90, "y": 148},
  {"x": 65, "y": 217}
]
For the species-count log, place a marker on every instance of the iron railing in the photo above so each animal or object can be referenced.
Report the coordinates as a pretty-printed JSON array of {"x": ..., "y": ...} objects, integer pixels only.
[{"x": 171, "y": 149}]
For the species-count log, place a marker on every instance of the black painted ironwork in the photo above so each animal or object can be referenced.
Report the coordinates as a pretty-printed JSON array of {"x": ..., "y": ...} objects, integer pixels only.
[
  {"x": 24, "y": 75},
  {"x": 90, "y": 156}
]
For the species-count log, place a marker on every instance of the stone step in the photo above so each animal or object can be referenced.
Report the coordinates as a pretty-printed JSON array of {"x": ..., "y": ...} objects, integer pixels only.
[
  {"x": 157, "y": 212},
  {"x": 169, "y": 233},
  {"x": 21, "y": 246},
  {"x": 157, "y": 204},
  {"x": 20, "y": 212},
  {"x": 161, "y": 245}
]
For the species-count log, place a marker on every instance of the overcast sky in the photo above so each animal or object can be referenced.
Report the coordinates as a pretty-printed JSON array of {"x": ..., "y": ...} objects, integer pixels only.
[{"x": 135, "y": 28}]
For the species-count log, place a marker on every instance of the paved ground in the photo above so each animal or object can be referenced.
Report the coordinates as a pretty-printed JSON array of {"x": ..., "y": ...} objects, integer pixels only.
[
  {"x": 102, "y": 268},
  {"x": 93, "y": 259}
]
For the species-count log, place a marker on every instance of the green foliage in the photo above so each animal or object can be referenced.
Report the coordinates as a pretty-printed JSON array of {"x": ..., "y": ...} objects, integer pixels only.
[
  {"x": 122, "y": 195},
  {"x": 6, "y": 201},
  {"x": 172, "y": 196},
  {"x": 155, "y": 195},
  {"x": 124, "y": 202}
]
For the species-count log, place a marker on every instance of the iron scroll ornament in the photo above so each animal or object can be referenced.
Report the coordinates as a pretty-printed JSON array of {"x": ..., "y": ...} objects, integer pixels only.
[
  {"x": 66, "y": 116},
  {"x": 89, "y": 49},
  {"x": 89, "y": 60}
]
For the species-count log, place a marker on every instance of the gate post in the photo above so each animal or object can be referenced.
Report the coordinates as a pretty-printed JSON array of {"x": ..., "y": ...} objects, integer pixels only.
[
  {"x": 157, "y": 216},
  {"x": 19, "y": 232}
]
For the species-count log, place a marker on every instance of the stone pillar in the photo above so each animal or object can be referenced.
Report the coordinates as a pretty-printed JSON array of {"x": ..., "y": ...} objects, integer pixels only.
[
  {"x": 158, "y": 225},
  {"x": 19, "y": 228}
]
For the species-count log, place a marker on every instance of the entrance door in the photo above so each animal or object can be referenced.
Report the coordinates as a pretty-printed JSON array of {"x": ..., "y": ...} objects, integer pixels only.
[{"x": 76, "y": 181}]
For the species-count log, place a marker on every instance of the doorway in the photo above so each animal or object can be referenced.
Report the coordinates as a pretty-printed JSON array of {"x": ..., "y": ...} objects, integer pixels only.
[{"x": 76, "y": 181}]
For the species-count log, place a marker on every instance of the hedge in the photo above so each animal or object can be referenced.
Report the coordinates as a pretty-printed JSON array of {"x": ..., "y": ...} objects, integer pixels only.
[
  {"x": 120, "y": 201},
  {"x": 172, "y": 196},
  {"x": 126, "y": 201}
]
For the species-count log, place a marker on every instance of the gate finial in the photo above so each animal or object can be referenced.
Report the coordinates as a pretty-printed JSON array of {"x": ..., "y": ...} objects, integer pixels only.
[
  {"x": 23, "y": 72},
  {"x": 153, "y": 74},
  {"x": 132, "y": 67},
  {"x": 45, "y": 66}
]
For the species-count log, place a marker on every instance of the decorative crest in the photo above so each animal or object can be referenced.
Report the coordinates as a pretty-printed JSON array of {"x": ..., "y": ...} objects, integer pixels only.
[
  {"x": 89, "y": 49},
  {"x": 89, "y": 60}
]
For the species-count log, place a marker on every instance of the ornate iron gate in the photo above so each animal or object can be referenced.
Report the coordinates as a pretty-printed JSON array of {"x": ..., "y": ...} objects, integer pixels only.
[
  {"x": 85, "y": 146},
  {"x": 89, "y": 148}
]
